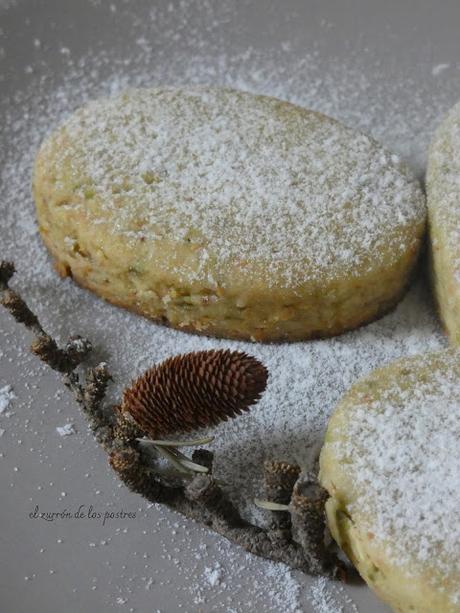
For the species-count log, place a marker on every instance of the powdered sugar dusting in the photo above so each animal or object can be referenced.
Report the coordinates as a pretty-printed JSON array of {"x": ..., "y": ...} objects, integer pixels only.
[
  {"x": 439, "y": 68},
  {"x": 66, "y": 430},
  {"x": 323, "y": 597},
  {"x": 213, "y": 575},
  {"x": 241, "y": 179},
  {"x": 6, "y": 396}
]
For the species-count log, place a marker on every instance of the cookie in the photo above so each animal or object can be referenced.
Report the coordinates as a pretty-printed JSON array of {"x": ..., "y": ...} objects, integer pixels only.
[
  {"x": 443, "y": 199},
  {"x": 227, "y": 213},
  {"x": 391, "y": 465}
]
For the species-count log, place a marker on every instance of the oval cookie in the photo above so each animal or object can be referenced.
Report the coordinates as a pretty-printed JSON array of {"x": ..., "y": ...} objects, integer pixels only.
[
  {"x": 443, "y": 199},
  {"x": 391, "y": 464},
  {"x": 226, "y": 213}
]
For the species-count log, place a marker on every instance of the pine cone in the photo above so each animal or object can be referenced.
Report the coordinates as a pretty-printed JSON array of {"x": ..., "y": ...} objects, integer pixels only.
[{"x": 194, "y": 390}]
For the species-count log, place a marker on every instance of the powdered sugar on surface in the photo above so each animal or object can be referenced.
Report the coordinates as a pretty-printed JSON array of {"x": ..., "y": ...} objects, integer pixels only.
[
  {"x": 213, "y": 575},
  {"x": 293, "y": 197},
  {"x": 167, "y": 47},
  {"x": 66, "y": 430},
  {"x": 401, "y": 450},
  {"x": 439, "y": 68},
  {"x": 6, "y": 396},
  {"x": 322, "y": 598}
]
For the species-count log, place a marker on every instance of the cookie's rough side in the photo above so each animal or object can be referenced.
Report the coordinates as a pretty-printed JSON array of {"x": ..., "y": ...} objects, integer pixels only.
[
  {"x": 227, "y": 213},
  {"x": 443, "y": 199},
  {"x": 391, "y": 464}
]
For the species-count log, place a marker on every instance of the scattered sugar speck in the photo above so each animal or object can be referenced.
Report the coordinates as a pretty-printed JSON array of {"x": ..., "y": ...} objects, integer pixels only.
[
  {"x": 6, "y": 397},
  {"x": 436, "y": 70},
  {"x": 66, "y": 430}
]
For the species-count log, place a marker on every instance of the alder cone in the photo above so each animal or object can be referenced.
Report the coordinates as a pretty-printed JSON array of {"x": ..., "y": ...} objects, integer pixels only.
[{"x": 194, "y": 390}]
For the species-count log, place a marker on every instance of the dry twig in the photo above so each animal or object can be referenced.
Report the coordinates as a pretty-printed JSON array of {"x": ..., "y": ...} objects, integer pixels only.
[{"x": 295, "y": 533}]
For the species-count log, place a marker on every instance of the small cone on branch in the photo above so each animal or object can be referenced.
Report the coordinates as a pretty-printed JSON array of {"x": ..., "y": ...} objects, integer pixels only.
[
  {"x": 123, "y": 460},
  {"x": 194, "y": 390}
]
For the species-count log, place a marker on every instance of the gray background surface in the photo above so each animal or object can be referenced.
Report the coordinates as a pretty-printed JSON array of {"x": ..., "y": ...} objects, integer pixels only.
[{"x": 158, "y": 561}]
